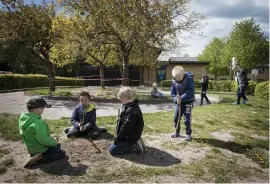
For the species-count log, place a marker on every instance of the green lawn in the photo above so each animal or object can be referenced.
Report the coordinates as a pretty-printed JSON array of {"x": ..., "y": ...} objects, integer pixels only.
[{"x": 224, "y": 161}]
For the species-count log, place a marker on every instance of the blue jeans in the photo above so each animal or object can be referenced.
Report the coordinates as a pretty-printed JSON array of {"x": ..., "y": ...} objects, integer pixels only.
[
  {"x": 120, "y": 148},
  {"x": 53, "y": 154},
  {"x": 186, "y": 109}
]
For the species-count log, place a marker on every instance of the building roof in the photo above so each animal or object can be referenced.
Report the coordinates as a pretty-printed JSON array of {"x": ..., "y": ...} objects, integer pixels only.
[{"x": 186, "y": 60}]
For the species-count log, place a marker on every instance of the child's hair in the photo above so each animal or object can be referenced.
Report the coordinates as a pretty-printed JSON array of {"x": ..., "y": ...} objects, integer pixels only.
[
  {"x": 125, "y": 92},
  {"x": 178, "y": 73},
  {"x": 154, "y": 85},
  {"x": 84, "y": 93}
]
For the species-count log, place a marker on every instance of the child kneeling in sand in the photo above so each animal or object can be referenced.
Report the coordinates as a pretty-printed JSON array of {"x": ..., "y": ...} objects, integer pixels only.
[
  {"x": 130, "y": 125},
  {"x": 36, "y": 136}
]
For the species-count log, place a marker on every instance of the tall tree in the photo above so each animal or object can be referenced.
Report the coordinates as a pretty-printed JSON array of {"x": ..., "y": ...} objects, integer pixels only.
[
  {"x": 144, "y": 56},
  {"x": 213, "y": 54},
  {"x": 154, "y": 22},
  {"x": 248, "y": 44},
  {"x": 30, "y": 25},
  {"x": 78, "y": 40}
]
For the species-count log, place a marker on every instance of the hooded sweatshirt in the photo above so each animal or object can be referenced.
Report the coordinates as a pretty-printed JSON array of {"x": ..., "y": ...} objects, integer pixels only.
[{"x": 35, "y": 133}]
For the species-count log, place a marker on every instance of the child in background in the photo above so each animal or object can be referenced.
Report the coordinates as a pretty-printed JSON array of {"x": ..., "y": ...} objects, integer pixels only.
[
  {"x": 36, "y": 136},
  {"x": 83, "y": 119},
  {"x": 155, "y": 93}
]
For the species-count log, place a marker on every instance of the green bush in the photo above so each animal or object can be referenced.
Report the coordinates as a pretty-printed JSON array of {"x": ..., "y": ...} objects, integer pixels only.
[
  {"x": 20, "y": 81},
  {"x": 251, "y": 87},
  {"x": 166, "y": 83},
  {"x": 262, "y": 90}
]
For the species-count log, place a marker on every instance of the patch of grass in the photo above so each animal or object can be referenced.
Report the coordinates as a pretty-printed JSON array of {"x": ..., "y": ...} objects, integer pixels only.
[
  {"x": 259, "y": 156},
  {"x": 174, "y": 146},
  {"x": 3, "y": 152},
  {"x": 221, "y": 169},
  {"x": 46, "y": 92},
  {"x": 9, "y": 128},
  {"x": 216, "y": 150},
  {"x": 8, "y": 162}
]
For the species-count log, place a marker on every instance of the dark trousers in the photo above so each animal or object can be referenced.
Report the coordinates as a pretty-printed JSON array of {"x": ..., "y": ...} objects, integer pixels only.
[
  {"x": 52, "y": 154},
  {"x": 241, "y": 93},
  {"x": 77, "y": 133},
  {"x": 203, "y": 95},
  {"x": 186, "y": 109},
  {"x": 120, "y": 148}
]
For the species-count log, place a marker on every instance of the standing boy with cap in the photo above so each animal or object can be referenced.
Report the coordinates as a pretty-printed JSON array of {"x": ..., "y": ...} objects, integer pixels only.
[{"x": 36, "y": 136}]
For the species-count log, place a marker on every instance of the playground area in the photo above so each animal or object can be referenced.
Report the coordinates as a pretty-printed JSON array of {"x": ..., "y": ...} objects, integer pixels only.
[{"x": 230, "y": 144}]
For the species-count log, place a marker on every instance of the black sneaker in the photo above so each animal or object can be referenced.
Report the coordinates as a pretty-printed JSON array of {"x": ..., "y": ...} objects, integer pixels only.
[
  {"x": 93, "y": 135},
  {"x": 66, "y": 130},
  {"x": 177, "y": 135},
  {"x": 102, "y": 130},
  {"x": 33, "y": 160}
]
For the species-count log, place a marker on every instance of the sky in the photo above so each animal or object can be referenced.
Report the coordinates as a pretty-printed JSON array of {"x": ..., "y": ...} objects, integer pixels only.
[{"x": 220, "y": 16}]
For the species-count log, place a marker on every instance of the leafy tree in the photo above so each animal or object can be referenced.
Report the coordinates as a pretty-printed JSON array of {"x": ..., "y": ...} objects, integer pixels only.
[
  {"x": 30, "y": 25},
  {"x": 126, "y": 23},
  {"x": 248, "y": 44},
  {"x": 213, "y": 54}
]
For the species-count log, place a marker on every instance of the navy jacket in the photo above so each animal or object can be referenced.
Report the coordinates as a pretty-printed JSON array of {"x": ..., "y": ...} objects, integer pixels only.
[
  {"x": 185, "y": 88},
  {"x": 242, "y": 79},
  {"x": 87, "y": 116}
]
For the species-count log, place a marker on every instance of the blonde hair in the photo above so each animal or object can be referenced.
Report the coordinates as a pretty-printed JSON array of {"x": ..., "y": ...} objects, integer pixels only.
[
  {"x": 178, "y": 73},
  {"x": 125, "y": 92},
  {"x": 154, "y": 85}
]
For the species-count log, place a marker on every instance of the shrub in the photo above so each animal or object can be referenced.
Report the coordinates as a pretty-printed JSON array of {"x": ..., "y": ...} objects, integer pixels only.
[
  {"x": 166, "y": 83},
  {"x": 20, "y": 81},
  {"x": 262, "y": 90}
]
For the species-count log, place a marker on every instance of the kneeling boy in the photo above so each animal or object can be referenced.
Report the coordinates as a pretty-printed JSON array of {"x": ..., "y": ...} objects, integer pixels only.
[
  {"x": 130, "y": 125},
  {"x": 36, "y": 136}
]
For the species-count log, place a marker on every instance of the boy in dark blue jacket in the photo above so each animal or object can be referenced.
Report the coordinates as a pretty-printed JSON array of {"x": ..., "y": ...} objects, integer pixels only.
[
  {"x": 83, "y": 119},
  {"x": 183, "y": 94}
]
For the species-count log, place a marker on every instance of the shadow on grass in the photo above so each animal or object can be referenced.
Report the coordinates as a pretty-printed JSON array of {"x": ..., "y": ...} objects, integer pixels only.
[
  {"x": 231, "y": 146},
  {"x": 62, "y": 167},
  {"x": 152, "y": 157}
]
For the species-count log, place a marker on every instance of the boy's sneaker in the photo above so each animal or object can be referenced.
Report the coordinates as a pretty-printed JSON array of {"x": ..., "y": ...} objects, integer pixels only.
[
  {"x": 245, "y": 101},
  {"x": 188, "y": 138},
  {"x": 66, "y": 130},
  {"x": 140, "y": 146},
  {"x": 235, "y": 103},
  {"x": 175, "y": 136},
  {"x": 33, "y": 160},
  {"x": 102, "y": 130}
]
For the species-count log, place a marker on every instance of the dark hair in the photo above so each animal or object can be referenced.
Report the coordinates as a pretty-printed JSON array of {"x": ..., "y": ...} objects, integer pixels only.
[{"x": 85, "y": 93}]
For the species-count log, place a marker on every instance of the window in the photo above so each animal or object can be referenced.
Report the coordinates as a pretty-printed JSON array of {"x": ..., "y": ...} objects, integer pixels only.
[{"x": 260, "y": 70}]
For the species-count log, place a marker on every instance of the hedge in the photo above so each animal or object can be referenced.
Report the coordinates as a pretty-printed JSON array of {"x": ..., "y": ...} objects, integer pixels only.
[
  {"x": 230, "y": 86},
  {"x": 20, "y": 81},
  {"x": 262, "y": 90}
]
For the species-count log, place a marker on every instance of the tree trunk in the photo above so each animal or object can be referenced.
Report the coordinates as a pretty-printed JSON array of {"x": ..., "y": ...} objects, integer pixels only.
[
  {"x": 51, "y": 75},
  {"x": 125, "y": 81},
  {"x": 101, "y": 67},
  {"x": 141, "y": 76},
  {"x": 215, "y": 77}
]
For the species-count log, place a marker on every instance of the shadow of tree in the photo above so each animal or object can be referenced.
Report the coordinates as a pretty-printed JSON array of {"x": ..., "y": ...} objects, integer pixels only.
[
  {"x": 231, "y": 146},
  {"x": 153, "y": 157}
]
